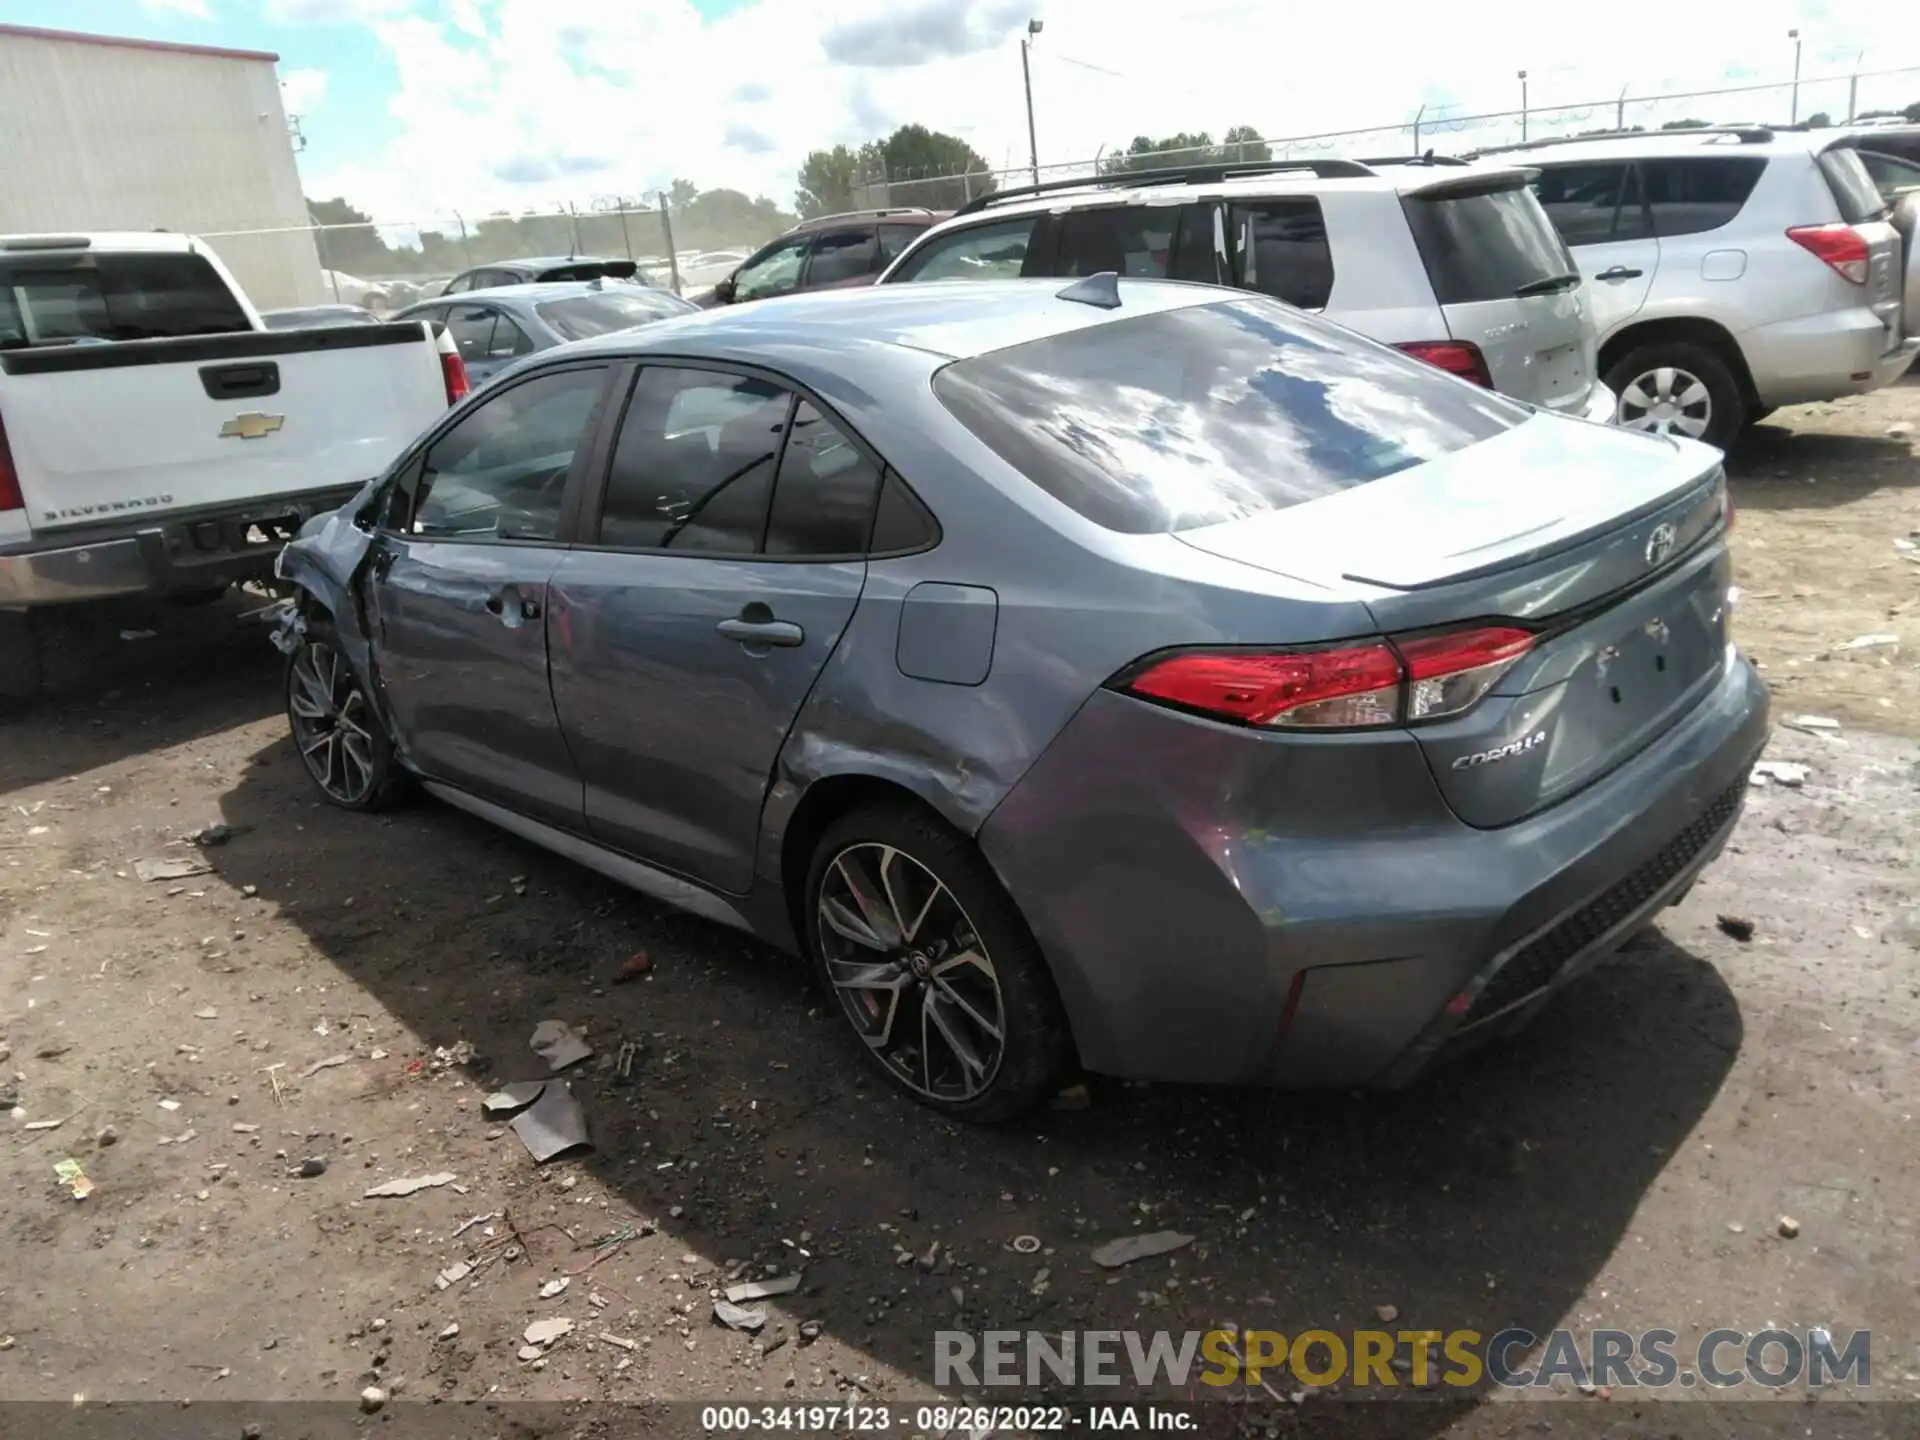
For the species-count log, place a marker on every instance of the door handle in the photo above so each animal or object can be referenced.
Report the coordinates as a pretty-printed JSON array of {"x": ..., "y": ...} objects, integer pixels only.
[
  {"x": 763, "y": 632},
  {"x": 1620, "y": 272},
  {"x": 522, "y": 608}
]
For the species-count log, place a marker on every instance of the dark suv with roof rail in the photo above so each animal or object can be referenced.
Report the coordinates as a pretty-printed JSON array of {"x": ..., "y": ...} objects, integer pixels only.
[{"x": 828, "y": 252}]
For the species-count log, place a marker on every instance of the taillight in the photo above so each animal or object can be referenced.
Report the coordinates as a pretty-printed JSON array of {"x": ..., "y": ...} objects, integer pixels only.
[
  {"x": 1456, "y": 357},
  {"x": 1368, "y": 685},
  {"x": 454, "y": 371},
  {"x": 1841, "y": 246},
  {"x": 10, "y": 496}
]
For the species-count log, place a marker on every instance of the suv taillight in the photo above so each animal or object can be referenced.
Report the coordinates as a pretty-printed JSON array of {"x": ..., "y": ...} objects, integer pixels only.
[
  {"x": 1367, "y": 685},
  {"x": 1456, "y": 357},
  {"x": 10, "y": 496},
  {"x": 1841, "y": 246}
]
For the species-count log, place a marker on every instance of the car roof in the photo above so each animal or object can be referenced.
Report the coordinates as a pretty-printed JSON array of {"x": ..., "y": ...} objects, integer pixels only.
[
  {"x": 103, "y": 240},
  {"x": 905, "y": 214},
  {"x": 953, "y": 320},
  {"x": 519, "y": 296},
  {"x": 542, "y": 262},
  {"x": 1717, "y": 140}
]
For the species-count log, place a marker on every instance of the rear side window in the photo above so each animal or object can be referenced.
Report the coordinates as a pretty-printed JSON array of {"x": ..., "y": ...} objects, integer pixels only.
[
  {"x": 894, "y": 240},
  {"x": 1214, "y": 412},
  {"x": 1485, "y": 244},
  {"x": 1692, "y": 196},
  {"x": 984, "y": 252},
  {"x": 841, "y": 255},
  {"x": 1280, "y": 249},
  {"x": 823, "y": 499},
  {"x": 1853, "y": 187},
  {"x": 1591, "y": 204},
  {"x": 113, "y": 297},
  {"x": 1135, "y": 240}
]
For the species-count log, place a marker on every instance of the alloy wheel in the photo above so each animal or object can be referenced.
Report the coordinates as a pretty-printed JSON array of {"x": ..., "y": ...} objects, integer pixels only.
[
  {"x": 1667, "y": 401},
  {"x": 331, "y": 723},
  {"x": 911, "y": 972}
]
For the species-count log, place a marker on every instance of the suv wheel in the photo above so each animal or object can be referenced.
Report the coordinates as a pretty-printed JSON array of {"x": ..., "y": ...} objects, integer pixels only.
[
  {"x": 1678, "y": 389},
  {"x": 932, "y": 965}
]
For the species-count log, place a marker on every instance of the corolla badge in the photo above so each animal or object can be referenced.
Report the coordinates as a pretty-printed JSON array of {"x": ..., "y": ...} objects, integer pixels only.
[
  {"x": 1500, "y": 752},
  {"x": 1660, "y": 543}
]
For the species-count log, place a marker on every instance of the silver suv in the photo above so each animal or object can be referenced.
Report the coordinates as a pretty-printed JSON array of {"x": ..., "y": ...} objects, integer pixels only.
[
  {"x": 1451, "y": 262},
  {"x": 1733, "y": 270}
]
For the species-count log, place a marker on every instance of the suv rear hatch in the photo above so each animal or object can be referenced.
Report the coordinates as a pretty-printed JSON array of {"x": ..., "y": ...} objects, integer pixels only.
[
  {"x": 1617, "y": 570},
  {"x": 1506, "y": 284},
  {"x": 1882, "y": 274}
]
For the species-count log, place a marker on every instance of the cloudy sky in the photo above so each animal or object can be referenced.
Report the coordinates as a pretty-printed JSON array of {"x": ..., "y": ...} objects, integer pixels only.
[{"x": 416, "y": 108}]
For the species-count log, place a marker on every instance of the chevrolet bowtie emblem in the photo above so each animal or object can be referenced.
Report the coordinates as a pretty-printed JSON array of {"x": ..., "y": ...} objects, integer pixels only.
[{"x": 251, "y": 426}]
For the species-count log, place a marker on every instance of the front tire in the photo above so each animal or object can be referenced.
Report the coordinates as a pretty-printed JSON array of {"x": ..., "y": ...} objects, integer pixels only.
[
  {"x": 932, "y": 965},
  {"x": 340, "y": 739},
  {"x": 1678, "y": 388}
]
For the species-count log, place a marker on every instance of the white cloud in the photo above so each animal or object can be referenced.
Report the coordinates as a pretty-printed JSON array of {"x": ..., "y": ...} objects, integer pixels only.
[
  {"x": 192, "y": 9},
  {"x": 302, "y": 90},
  {"x": 513, "y": 103},
  {"x": 331, "y": 12}
]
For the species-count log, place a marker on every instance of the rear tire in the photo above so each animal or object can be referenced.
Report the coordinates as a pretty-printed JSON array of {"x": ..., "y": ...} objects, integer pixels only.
[
  {"x": 1678, "y": 388},
  {"x": 339, "y": 737},
  {"x": 932, "y": 965}
]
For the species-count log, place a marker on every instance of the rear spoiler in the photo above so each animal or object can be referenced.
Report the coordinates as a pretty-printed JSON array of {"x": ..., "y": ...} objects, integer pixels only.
[
  {"x": 1458, "y": 184},
  {"x": 592, "y": 270}
]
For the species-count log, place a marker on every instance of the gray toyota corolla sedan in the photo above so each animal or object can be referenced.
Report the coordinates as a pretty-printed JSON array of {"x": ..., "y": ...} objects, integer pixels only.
[{"x": 1135, "y": 673}]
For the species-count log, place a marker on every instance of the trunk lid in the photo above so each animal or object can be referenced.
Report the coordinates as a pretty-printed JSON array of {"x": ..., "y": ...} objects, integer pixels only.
[
  {"x": 1610, "y": 545},
  {"x": 1507, "y": 284}
]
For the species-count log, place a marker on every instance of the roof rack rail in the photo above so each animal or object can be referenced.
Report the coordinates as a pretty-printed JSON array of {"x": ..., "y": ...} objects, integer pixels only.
[
  {"x": 1174, "y": 175},
  {"x": 877, "y": 213},
  {"x": 1747, "y": 135},
  {"x": 1430, "y": 157}
]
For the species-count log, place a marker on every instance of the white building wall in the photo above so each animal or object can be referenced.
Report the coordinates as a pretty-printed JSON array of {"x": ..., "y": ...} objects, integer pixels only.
[{"x": 118, "y": 135}]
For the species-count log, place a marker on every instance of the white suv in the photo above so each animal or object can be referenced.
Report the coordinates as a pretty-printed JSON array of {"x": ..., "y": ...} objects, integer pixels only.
[
  {"x": 1733, "y": 270},
  {"x": 1451, "y": 262}
]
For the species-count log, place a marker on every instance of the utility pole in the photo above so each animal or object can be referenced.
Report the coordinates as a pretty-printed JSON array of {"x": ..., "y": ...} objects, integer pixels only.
[
  {"x": 1416, "y": 128},
  {"x": 1523, "y": 107},
  {"x": 1620, "y": 110},
  {"x": 666, "y": 228},
  {"x": 1034, "y": 27},
  {"x": 1793, "y": 118}
]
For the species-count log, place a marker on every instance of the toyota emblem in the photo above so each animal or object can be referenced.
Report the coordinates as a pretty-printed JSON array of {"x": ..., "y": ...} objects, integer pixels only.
[{"x": 1660, "y": 544}]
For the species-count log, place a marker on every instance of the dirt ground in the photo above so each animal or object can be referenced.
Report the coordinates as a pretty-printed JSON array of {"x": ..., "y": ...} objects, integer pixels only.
[{"x": 344, "y": 990}]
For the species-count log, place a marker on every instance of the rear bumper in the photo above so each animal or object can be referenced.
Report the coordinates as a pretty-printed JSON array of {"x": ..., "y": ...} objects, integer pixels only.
[
  {"x": 1361, "y": 930},
  {"x": 1602, "y": 407},
  {"x": 1820, "y": 357},
  {"x": 194, "y": 550}
]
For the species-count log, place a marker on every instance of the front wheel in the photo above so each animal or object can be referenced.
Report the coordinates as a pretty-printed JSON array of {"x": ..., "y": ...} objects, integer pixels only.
[
  {"x": 340, "y": 739},
  {"x": 1678, "y": 388},
  {"x": 933, "y": 966}
]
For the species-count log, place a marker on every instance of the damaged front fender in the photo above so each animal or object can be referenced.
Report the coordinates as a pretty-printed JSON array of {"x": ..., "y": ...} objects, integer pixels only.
[{"x": 320, "y": 565}]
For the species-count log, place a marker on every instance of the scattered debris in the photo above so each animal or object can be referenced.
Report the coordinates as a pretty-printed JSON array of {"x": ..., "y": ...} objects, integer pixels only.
[
  {"x": 219, "y": 833},
  {"x": 1074, "y": 1097},
  {"x": 206, "y": 1012},
  {"x": 810, "y": 1331},
  {"x": 241, "y": 1127},
  {"x": 311, "y": 1168},
  {"x": 1130, "y": 1248},
  {"x": 372, "y": 1398},
  {"x": 623, "y": 1063},
  {"x": 452, "y": 1330},
  {"x": 170, "y": 1106},
  {"x": 554, "y": 1288},
  {"x": 555, "y": 1125},
  {"x": 764, "y": 1289},
  {"x": 331, "y": 1062},
  {"x": 1871, "y": 642},
  {"x": 545, "y": 1332},
  {"x": 1788, "y": 1227},
  {"x": 510, "y": 1099},
  {"x": 108, "y": 1136},
  {"x": 1026, "y": 1244},
  {"x": 1781, "y": 772},
  {"x": 476, "y": 1220},
  {"x": 1814, "y": 724},
  {"x": 637, "y": 965},
  {"x": 736, "y": 1317},
  {"x": 1387, "y": 1313},
  {"x": 452, "y": 1275},
  {"x": 73, "y": 1175},
  {"x": 171, "y": 869},
  {"x": 619, "y": 1340},
  {"x": 397, "y": 1188},
  {"x": 1734, "y": 1227},
  {"x": 559, "y": 1044},
  {"x": 45, "y": 1124},
  {"x": 1740, "y": 929}
]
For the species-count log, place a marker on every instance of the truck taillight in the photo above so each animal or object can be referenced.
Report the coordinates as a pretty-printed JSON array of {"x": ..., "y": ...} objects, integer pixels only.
[
  {"x": 1371, "y": 684},
  {"x": 1456, "y": 357},
  {"x": 10, "y": 496},
  {"x": 454, "y": 371},
  {"x": 1841, "y": 246}
]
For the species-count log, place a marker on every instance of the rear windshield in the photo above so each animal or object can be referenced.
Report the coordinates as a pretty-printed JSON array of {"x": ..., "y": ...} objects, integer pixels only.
[
  {"x": 1486, "y": 245},
  {"x": 46, "y": 299},
  {"x": 583, "y": 316},
  {"x": 1853, "y": 189},
  {"x": 1214, "y": 412}
]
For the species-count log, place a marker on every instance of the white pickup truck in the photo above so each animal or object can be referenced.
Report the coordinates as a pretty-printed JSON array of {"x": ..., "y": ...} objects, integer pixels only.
[{"x": 156, "y": 439}]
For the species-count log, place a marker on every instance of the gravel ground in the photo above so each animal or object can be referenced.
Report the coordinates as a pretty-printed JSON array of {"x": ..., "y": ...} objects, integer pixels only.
[{"x": 1625, "y": 1163}]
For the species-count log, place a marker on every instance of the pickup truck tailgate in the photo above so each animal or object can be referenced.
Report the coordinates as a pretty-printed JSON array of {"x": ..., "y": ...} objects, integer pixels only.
[{"x": 144, "y": 427}]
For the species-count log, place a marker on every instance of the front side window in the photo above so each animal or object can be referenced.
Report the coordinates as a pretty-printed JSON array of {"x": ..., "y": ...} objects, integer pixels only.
[
  {"x": 113, "y": 297},
  {"x": 1689, "y": 196},
  {"x": 823, "y": 500},
  {"x": 984, "y": 252},
  {"x": 1129, "y": 240},
  {"x": 693, "y": 467},
  {"x": 1210, "y": 413},
  {"x": 775, "y": 272},
  {"x": 500, "y": 472},
  {"x": 1279, "y": 248},
  {"x": 841, "y": 255}
]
